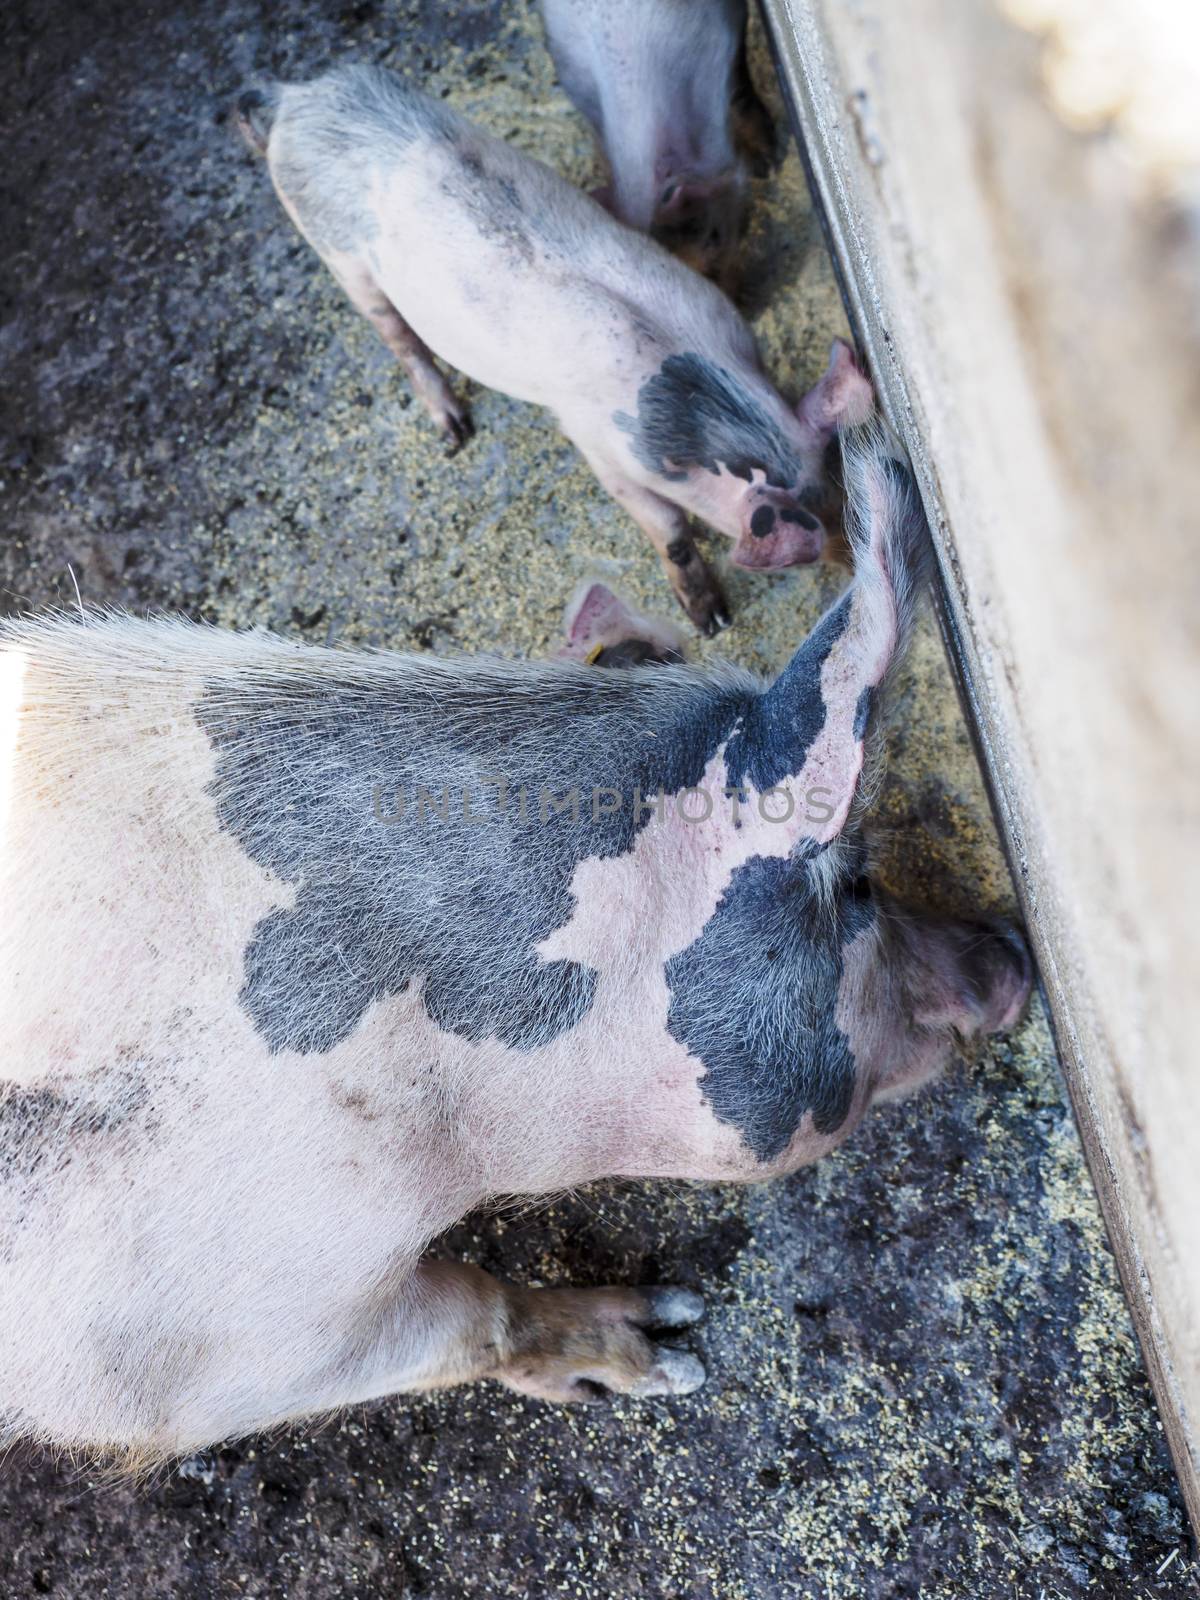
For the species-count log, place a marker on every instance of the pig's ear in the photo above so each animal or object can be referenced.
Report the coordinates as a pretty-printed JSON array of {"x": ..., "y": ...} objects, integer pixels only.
[
  {"x": 842, "y": 398},
  {"x": 592, "y": 613},
  {"x": 597, "y": 618},
  {"x": 811, "y": 731}
]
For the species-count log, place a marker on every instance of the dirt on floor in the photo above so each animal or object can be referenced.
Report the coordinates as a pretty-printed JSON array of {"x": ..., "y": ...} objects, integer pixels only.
[{"x": 923, "y": 1378}]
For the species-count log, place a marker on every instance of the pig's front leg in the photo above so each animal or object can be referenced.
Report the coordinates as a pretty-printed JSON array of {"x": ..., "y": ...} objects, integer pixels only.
[
  {"x": 453, "y": 1323},
  {"x": 413, "y": 354},
  {"x": 668, "y": 530}
]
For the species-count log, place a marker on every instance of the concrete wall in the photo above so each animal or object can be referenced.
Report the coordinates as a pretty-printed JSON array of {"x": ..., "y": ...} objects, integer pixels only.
[{"x": 1019, "y": 260}]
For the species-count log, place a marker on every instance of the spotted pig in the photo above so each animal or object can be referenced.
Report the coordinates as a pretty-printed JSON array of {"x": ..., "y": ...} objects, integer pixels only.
[
  {"x": 306, "y": 953},
  {"x": 453, "y": 243}
]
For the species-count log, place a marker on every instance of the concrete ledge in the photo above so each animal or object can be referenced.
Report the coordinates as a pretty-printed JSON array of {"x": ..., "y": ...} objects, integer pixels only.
[{"x": 1025, "y": 293}]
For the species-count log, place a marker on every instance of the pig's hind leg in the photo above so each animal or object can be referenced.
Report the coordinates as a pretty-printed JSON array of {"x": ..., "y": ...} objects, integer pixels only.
[
  {"x": 413, "y": 354},
  {"x": 451, "y": 1323}
]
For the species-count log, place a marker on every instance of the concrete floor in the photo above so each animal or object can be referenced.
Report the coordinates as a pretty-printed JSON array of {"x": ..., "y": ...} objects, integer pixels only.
[{"x": 923, "y": 1379}]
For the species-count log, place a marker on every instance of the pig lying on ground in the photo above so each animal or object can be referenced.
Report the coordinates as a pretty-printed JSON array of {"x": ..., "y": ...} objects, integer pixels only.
[
  {"x": 450, "y": 241},
  {"x": 666, "y": 88},
  {"x": 304, "y": 954}
]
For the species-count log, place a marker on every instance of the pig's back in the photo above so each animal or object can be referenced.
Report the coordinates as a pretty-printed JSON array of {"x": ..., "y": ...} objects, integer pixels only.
[{"x": 506, "y": 271}]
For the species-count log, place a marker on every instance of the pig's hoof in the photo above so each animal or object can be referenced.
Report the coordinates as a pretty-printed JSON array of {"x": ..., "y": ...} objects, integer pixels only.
[
  {"x": 710, "y": 616},
  {"x": 674, "y": 1372},
  {"x": 579, "y": 1346},
  {"x": 703, "y": 601},
  {"x": 457, "y": 427},
  {"x": 672, "y": 1307}
]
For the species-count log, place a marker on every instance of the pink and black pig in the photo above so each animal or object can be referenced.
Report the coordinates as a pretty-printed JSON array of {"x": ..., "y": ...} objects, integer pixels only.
[
  {"x": 306, "y": 953},
  {"x": 453, "y": 243},
  {"x": 668, "y": 93}
]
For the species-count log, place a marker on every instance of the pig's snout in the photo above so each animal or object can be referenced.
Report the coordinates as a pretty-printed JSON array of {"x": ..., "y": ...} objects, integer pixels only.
[
  {"x": 778, "y": 532},
  {"x": 701, "y": 220},
  {"x": 978, "y": 977}
]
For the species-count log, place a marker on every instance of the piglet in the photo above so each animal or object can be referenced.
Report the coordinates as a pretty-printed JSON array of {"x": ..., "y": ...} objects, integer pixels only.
[
  {"x": 450, "y": 241},
  {"x": 667, "y": 91},
  {"x": 307, "y": 953}
]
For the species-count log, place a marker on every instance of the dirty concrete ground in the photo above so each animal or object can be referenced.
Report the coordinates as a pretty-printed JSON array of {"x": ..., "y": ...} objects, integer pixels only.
[{"x": 923, "y": 1379}]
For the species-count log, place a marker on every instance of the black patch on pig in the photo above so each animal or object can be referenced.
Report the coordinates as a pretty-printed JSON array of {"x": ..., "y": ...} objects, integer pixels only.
[
  {"x": 493, "y": 202},
  {"x": 762, "y": 522},
  {"x": 862, "y": 712},
  {"x": 693, "y": 413},
  {"x": 42, "y": 1128},
  {"x": 455, "y": 906},
  {"x": 801, "y": 518},
  {"x": 681, "y": 550},
  {"x": 755, "y": 996},
  {"x": 780, "y": 726}
]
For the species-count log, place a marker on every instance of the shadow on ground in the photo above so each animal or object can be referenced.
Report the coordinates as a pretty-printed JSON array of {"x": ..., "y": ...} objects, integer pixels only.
[{"x": 923, "y": 1377}]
